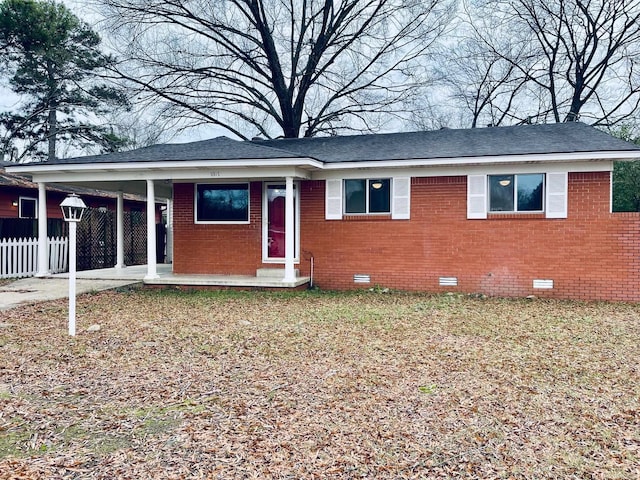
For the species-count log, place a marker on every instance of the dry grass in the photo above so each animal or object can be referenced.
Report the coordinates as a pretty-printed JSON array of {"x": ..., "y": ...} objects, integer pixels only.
[{"x": 319, "y": 385}]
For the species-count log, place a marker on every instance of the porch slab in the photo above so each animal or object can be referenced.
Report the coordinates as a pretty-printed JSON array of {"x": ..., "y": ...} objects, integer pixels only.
[
  {"x": 132, "y": 272},
  {"x": 225, "y": 281},
  {"x": 166, "y": 277}
]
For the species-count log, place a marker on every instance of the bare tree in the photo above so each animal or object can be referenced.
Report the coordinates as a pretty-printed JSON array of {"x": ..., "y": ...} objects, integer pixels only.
[
  {"x": 560, "y": 60},
  {"x": 482, "y": 83},
  {"x": 277, "y": 67}
]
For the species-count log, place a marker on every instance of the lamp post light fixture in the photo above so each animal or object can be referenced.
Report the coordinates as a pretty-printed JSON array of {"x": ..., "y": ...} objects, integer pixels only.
[{"x": 72, "y": 209}]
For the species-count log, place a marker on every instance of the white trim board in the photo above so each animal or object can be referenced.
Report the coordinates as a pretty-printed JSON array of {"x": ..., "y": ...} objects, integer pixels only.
[
  {"x": 603, "y": 166},
  {"x": 300, "y": 167},
  {"x": 187, "y": 176}
]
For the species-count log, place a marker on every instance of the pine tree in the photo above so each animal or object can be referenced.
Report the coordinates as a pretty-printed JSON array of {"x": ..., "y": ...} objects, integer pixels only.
[{"x": 54, "y": 64}]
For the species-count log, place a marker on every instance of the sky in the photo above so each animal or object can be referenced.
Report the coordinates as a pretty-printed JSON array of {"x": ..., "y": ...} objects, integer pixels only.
[{"x": 82, "y": 9}]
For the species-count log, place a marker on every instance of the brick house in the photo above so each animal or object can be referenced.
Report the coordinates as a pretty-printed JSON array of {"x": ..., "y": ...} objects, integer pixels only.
[{"x": 504, "y": 211}]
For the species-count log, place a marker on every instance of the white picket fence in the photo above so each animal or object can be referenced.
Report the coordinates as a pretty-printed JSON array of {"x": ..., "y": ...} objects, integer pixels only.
[{"x": 19, "y": 256}]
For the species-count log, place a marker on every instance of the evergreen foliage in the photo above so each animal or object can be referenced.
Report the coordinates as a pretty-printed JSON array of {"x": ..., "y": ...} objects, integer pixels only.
[
  {"x": 626, "y": 178},
  {"x": 54, "y": 65}
]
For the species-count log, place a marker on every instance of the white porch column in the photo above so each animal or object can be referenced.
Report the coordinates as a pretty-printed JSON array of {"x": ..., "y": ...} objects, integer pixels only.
[
  {"x": 43, "y": 241},
  {"x": 152, "y": 271},
  {"x": 289, "y": 226},
  {"x": 120, "y": 231},
  {"x": 169, "y": 246}
]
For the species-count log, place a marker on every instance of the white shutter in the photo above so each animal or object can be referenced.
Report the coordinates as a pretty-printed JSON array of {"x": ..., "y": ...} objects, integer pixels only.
[
  {"x": 333, "y": 200},
  {"x": 476, "y": 196},
  {"x": 401, "y": 202},
  {"x": 556, "y": 201}
]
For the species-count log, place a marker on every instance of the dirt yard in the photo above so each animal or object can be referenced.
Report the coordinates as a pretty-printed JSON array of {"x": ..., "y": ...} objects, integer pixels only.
[{"x": 317, "y": 385}]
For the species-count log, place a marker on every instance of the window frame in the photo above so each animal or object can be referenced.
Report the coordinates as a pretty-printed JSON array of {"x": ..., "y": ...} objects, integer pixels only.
[
  {"x": 221, "y": 222},
  {"x": 20, "y": 207},
  {"x": 367, "y": 189},
  {"x": 515, "y": 194}
]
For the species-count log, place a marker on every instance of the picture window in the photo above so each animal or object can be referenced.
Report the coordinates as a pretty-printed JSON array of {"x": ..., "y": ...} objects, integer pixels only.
[{"x": 222, "y": 203}]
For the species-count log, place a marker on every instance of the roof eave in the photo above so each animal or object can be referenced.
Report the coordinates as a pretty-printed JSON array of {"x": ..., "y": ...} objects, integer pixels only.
[
  {"x": 488, "y": 160},
  {"x": 312, "y": 164},
  {"x": 35, "y": 168}
]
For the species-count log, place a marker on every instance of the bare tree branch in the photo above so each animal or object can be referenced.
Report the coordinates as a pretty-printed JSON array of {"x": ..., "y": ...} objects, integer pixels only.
[
  {"x": 576, "y": 59},
  {"x": 278, "y": 67}
]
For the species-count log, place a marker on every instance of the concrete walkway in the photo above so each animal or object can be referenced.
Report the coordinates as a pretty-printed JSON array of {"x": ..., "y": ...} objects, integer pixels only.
[{"x": 33, "y": 290}]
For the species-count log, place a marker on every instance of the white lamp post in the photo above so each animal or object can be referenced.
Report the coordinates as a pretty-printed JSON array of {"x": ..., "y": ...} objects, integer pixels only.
[{"x": 72, "y": 209}]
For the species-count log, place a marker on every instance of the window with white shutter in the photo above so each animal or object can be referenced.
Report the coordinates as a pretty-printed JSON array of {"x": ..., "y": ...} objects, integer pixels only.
[
  {"x": 401, "y": 209},
  {"x": 476, "y": 196},
  {"x": 517, "y": 193},
  {"x": 557, "y": 184},
  {"x": 333, "y": 200},
  {"x": 368, "y": 196}
]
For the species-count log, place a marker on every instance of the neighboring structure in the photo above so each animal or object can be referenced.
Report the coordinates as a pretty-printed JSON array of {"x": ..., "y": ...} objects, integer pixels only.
[
  {"x": 506, "y": 211},
  {"x": 19, "y": 197},
  {"x": 19, "y": 212}
]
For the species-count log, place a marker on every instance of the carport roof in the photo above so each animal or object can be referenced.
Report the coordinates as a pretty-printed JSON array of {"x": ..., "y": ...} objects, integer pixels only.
[{"x": 219, "y": 148}]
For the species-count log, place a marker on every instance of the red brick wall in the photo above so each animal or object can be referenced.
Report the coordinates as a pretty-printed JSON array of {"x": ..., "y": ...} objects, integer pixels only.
[
  {"x": 10, "y": 194},
  {"x": 216, "y": 248},
  {"x": 592, "y": 254}
]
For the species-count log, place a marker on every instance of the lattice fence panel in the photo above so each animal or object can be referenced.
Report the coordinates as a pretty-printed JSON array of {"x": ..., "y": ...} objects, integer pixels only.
[
  {"x": 135, "y": 238},
  {"x": 96, "y": 239}
]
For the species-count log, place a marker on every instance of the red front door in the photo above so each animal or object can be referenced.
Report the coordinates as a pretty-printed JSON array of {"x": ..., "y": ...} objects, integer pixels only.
[{"x": 275, "y": 229}]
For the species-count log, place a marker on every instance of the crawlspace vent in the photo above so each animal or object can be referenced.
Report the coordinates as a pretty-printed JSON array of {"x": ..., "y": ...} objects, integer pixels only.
[
  {"x": 361, "y": 278},
  {"x": 543, "y": 284},
  {"x": 448, "y": 281}
]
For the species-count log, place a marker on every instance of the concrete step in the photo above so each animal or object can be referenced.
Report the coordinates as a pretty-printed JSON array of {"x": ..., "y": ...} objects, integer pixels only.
[{"x": 274, "y": 273}]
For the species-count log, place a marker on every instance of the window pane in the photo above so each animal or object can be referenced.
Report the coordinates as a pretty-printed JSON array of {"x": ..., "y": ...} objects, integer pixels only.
[
  {"x": 380, "y": 196},
  {"x": 530, "y": 192},
  {"x": 27, "y": 208},
  {"x": 223, "y": 203},
  {"x": 501, "y": 193},
  {"x": 355, "y": 196}
]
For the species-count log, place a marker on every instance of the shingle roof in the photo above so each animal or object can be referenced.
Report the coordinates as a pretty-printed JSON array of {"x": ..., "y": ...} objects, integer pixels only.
[
  {"x": 18, "y": 181},
  {"x": 445, "y": 143},
  {"x": 219, "y": 148},
  {"x": 450, "y": 143}
]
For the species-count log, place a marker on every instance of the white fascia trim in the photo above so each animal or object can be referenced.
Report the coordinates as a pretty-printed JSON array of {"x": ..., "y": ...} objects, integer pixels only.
[
  {"x": 167, "y": 165},
  {"x": 453, "y": 171},
  {"x": 198, "y": 174},
  {"x": 488, "y": 160},
  {"x": 301, "y": 167}
]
